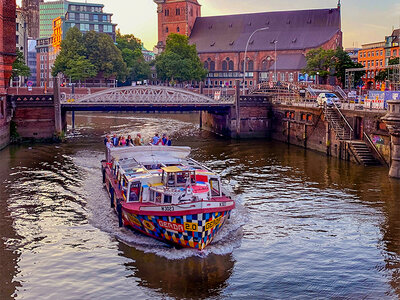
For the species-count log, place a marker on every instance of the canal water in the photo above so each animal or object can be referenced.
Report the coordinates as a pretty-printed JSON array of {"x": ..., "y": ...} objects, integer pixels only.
[{"x": 306, "y": 226}]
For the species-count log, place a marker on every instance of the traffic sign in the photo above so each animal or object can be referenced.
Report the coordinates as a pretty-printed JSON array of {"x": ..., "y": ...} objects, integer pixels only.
[{"x": 29, "y": 83}]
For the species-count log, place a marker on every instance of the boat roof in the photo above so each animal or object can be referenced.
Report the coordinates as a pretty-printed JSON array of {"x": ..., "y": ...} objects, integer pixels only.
[
  {"x": 149, "y": 155},
  {"x": 177, "y": 169}
]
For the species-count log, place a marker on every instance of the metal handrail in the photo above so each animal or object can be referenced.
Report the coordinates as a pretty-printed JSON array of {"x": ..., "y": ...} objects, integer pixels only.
[
  {"x": 374, "y": 147},
  {"x": 343, "y": 117}
]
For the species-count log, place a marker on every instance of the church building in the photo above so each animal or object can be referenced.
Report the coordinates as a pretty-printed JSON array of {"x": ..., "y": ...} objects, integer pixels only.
[{"x": 276, "y": 51}]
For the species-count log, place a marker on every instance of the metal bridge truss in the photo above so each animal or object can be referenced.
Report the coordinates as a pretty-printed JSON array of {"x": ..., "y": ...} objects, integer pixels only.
[{"x": 141, "y": 95}]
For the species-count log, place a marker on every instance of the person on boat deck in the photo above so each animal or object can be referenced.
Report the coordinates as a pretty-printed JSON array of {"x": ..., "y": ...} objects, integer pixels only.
[
  {"x": 122, "y": 141},
  {"x": 155, "y": 140},
  {"x": 164, "y": 139},
  {"x": 115, "y": 140},
  {"x": 169, "y": 142},
  {"x": 138, "y": 140},
  {"x": 129, "y": 141},
  {"x": 106, "y": 139},
  {"x": 109, "y": 144}
]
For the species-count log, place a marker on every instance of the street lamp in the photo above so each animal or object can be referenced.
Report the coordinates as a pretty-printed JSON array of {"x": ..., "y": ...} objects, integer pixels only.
[
  {"x": 276, "y": 60},
  {"x": 245, "y": 54}
]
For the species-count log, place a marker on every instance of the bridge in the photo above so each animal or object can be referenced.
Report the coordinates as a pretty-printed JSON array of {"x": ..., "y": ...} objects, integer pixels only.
[{"x": 143, "y": 98}]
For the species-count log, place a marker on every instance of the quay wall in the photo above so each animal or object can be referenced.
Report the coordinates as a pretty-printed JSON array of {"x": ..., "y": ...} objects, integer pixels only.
[
  {"x": 4, "y": 135},
  {"x": 307, "y": 127}
]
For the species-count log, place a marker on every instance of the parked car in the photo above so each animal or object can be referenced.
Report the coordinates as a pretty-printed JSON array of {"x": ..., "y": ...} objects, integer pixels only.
[{"x": 328, "y": 99}]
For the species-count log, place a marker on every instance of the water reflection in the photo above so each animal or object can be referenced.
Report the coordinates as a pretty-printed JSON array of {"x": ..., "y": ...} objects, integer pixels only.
[{"x": 191, "y": 278}]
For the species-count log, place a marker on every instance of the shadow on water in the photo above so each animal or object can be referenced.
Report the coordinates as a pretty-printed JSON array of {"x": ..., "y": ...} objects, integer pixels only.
[{"x": 191, "y": 278}]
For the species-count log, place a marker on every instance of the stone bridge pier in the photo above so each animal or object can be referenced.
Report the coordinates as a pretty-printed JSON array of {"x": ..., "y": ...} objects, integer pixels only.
[
  {"x": 392, "y": 120},
  {"x": 249, "y": 117}
]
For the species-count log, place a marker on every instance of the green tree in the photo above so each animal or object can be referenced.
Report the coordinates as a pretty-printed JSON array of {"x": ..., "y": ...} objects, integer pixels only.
[
  {"x": 381, "y": 76},
  {"x": 80, "y": 68},
  {"x": 179, "y": 61},
  {"x": 321, "y": 62},
  {"x": 104, "y": 55},
  {"x": 343, "y": 62},
  {"x": 131, "y": 48},
  {"x": 394, "y": 61},
  {"x": 19, "y": 68}
]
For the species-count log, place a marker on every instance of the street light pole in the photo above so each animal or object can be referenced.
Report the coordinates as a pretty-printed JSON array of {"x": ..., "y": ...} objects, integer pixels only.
[
  {"x": 245, "y": 55},
  {"x": 276, "y": 60}
]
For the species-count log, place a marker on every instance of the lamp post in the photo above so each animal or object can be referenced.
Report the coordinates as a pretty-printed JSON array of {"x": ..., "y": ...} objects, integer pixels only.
[
  {"x": 245, "y": 55},
  {"x": 276, "y": 60}
]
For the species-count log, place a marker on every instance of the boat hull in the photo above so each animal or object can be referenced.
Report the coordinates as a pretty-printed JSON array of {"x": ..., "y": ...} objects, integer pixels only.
[{"x": 191, "y": 230}]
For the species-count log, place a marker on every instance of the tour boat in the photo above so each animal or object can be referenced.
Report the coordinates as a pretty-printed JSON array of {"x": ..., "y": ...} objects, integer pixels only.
[{"x": 161, "y": 192}]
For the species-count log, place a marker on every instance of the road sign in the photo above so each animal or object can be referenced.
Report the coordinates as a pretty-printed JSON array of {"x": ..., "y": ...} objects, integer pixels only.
[{"x": 29, "y": 83}]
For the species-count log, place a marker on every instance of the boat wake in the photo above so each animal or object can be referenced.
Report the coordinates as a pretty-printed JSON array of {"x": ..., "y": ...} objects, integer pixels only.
[{"x": 103, "y": 217}]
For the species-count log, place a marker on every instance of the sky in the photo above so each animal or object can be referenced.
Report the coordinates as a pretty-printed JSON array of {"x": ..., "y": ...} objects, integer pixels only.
[{"x": 363, "y": 21}]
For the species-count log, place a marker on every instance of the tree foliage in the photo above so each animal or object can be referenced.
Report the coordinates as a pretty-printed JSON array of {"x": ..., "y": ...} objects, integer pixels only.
[
  {"x": 131, "y": 49},
  {"x": 343, "y": 62},
  {"x": 19, "y": 68},
  {"x": 381, "y": 76},
  {"x": 179, "y": 62},
  {"x": 88, "y": 55},
  {"x": 320, "y": 61}
]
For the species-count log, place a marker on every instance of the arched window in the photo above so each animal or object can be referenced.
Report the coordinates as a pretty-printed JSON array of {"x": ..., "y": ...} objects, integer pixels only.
[
  {"x": 212, "y": 66},
  {"x": 224, "y": 65},
  {"x": 178, "y": 29},
  {"x": 230, "y": 65},
  {"x": 241, "y": 66},
  {"x": 206, "y": 65},
  {"x": 166, "y": 30},
  {"x": 264, "y": 65},
  {"x": 250, "y": 66}
]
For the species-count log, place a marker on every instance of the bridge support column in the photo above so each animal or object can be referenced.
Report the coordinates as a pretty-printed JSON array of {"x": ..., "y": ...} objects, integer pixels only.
[
  {"x": 73, "y": 119},
  {"x": 57, "y": 108},
  {"x": 392, "y": 120}
]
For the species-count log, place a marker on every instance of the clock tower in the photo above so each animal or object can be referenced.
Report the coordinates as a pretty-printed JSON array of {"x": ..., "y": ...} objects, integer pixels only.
[{"x": 176, "y": 16}]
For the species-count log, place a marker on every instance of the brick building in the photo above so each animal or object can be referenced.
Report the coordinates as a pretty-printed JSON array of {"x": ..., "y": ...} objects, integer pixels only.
[
  {"x": 31, "y": 10},
  {"x": 275, "y": 54},
  {"x": 7, "y": 56},
  {"x": 372, "y": 57}
]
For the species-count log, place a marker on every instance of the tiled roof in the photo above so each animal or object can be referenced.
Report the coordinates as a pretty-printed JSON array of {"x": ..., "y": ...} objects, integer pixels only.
[
  {"x": 293, "y": 30},
  {"x": 296, "y": 61}
]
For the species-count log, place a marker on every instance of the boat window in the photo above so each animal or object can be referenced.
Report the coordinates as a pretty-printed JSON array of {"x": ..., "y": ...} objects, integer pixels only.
[
  {"x": 134, "y": 192},
  {"x": 215, "y": 188},
  {"x": 152, "y": 195},
  {"x": 171, "y": 179},
  {"x": 158, "y": 197},
  {"x": 181, "y": 177},
  {"x": 167, "y": 199}
]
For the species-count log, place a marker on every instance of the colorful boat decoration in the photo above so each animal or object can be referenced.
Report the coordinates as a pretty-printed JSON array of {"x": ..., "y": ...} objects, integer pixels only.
[{"x": 162, "y": 193}]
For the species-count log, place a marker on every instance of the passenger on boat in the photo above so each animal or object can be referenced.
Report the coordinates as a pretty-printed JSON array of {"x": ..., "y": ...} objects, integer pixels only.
[
  {"x": 122, "y": 141},
  {"x": 169, "y": 142},
  {"x": 109, "y": 144},
  {"x": 138, "y": 140},
  {"x": 115, "y": 140},
  {"x": 106, "y": 139},
  {"x": 155, "y": 140},
  {"x": 164, "y": 139},
  {"x": 129, "y": 141}
]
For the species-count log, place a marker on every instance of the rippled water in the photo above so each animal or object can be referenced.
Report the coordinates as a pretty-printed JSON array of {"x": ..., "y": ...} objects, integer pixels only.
[{"x": 305, "y": 226}]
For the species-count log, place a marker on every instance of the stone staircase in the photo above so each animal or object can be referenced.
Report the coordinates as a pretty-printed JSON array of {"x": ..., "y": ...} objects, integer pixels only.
[
  {"x": 363, "y": 154},
  {"x": 341, "y": 129}
]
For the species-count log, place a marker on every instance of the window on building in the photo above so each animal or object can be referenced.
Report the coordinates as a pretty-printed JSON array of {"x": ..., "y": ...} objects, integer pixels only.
[
  {"x": 17, "y": 26},
  {"x": 17, "y": 39},
  {"x": 372, "y": 53},
  {"x": 212, "y": 66},
  {"x": 96, "y": 18},
  {"x": 377, "y": 52},
  {"x": 230, "y": 65},
  {"x": 72, "y": 7},
  {"x": 250, "y": 66},
  {"x": 104, "y": 18},
  {"x": 71, "y": 16},
  {"x": 177, "y": 11},
  {"x": 96, "y": 27},
  {"x": 395, "y": 52},
  {"x": 291, "y": 77},
  {"x": 166, "y": 29},
  {"x": 381, "y": 63},
  {"x": 84, "y": 27},
  {"x": 369, "y": 54},
  {"x": 178, "y": 29},
  {"x": 166, "y": 12},
  {"x": 381, "y": 53},
  {"x": 372, "y": 63},
  {"x": 283, "y": 77},
  {"x": 224, "y": 65},
  {"x": 206, "y": 65}
]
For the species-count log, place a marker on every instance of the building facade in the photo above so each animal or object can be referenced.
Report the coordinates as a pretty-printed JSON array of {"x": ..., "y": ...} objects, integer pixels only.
[
  {"x": 276, "y": 53},
  {"x": 31, "y": 10},
  {"x": 32, "y": 61},
  {"x": 84, "y": 16},
  {"x": 392, "y": 49},
  {"x": 353, "y": 53},
  {"x": 45, "y": 56},
  {"x": 7, "y": 56},
  {"x": 21, "y": 40},
  {"x": 372, "y": 57}
]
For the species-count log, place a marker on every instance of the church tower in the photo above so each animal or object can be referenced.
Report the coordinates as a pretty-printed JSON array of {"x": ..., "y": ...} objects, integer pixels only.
[{"x": 176, "y": 16}]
